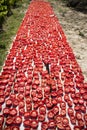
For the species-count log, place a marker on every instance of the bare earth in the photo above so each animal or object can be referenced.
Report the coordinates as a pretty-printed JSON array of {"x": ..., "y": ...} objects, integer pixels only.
[{"x": 74, "y": 24}]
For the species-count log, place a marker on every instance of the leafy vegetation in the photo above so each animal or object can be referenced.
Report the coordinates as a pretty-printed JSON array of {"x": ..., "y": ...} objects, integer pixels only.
[
  {"x": 10, "y": 28},
  {"x": 3, "y": 12},
  {"x": 6, "y": 9}
]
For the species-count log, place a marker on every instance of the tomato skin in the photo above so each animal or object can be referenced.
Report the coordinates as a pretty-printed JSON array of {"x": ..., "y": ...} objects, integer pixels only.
[
  {"x": 15, "y": 128},
  {"x": 21, "y": 111},
  {"x": 34, "y": 124},
  {"x": 65, "y": 122},
  {"x": 77, "y": 128},
  {"x": 69, "y": 102},
  {"x": 62, "y": 105},
  {"x": 9, "y": 121},
  {"x": 28, "y": 100},
  {"x": 27, "y": 123},
  {"x": 50, "y": 114},
  {"x": 1, "y": 119},
  {"x": 41, "y": 117},
  {"x": 13, "y": 112},
  {"x": 1, "y": 126},
  {"x": 35, "y": 99},
  {"x": 42, "y": 109},
  {"x": 73, "y": 119},
  {"x": 83, "y": 109},
  {"x": 15, "y": 103},
  {"x": 33, "y": 114},
  {"x": 2, "y": 99},
  {"x": 28, "y": 107},
  {"x": 77, "y": 108},
  {"x": 8, "y": 128},
  {"x": 2, "y": 87},
  {"x": 21, "y": 104},
  {"x": 49, "y": 105},
  {"x": 54, "y": 101},
  {"x": 27, "y": 128},
  {"x": 18, "y": 120},
  {"x": 54, "y": 94},
  {"x": 0, "y": 108},
  {"x": 70, "y": 112},
  {"x": 12, "y": 97},
  {"x": 85, "y": 96},
  {"x": 20, "y": 97},
  {"x": 78, "y": 116},
  {"x": 36, "y": 105},
  {"x": 6, "y": 111},
  {"x": 9, "y": 103},
  {"x": 55, "y": 110},
  {"x": 63, "y": 112},
  {"x": 47, "y": 89},
  {"x": 51, "y": 124},
  {"x": 1, "y": 93},
  {"x": 81, "y": 124},
  {"x": 85, "y": 117},
  {"x": 60, "y": 126},
  {"x": 44, "y": 125},
  {"x": 26, "y": 115}
]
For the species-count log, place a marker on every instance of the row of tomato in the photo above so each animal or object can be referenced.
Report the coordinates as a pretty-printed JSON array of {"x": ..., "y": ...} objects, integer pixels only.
[{"x": 41, "y": 85}]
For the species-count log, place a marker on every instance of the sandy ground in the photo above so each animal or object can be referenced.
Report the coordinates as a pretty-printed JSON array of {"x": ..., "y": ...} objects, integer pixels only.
[{"x": 74, "y": 24}]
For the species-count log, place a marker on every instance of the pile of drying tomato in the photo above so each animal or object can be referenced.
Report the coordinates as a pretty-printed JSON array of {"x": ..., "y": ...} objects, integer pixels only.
[{"x": 41, "y": 85}]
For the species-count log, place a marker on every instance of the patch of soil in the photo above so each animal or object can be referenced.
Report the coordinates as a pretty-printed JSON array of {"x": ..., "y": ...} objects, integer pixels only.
[{"x": 74, "y": 24}]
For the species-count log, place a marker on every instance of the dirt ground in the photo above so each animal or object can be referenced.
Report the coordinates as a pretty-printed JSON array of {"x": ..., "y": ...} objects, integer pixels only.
[{"x": 74, "y": 24}]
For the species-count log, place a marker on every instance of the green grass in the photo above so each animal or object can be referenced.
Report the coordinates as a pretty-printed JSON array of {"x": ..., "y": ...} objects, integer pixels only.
[{"x": 10, "y": 28}]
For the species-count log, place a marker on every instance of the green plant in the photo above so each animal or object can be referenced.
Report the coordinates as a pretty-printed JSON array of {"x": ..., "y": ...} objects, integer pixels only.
[
  {"x": 3, "y": 13},
  {"x": 13, "y": 2},
  {"x": 5, "y": 9}
]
